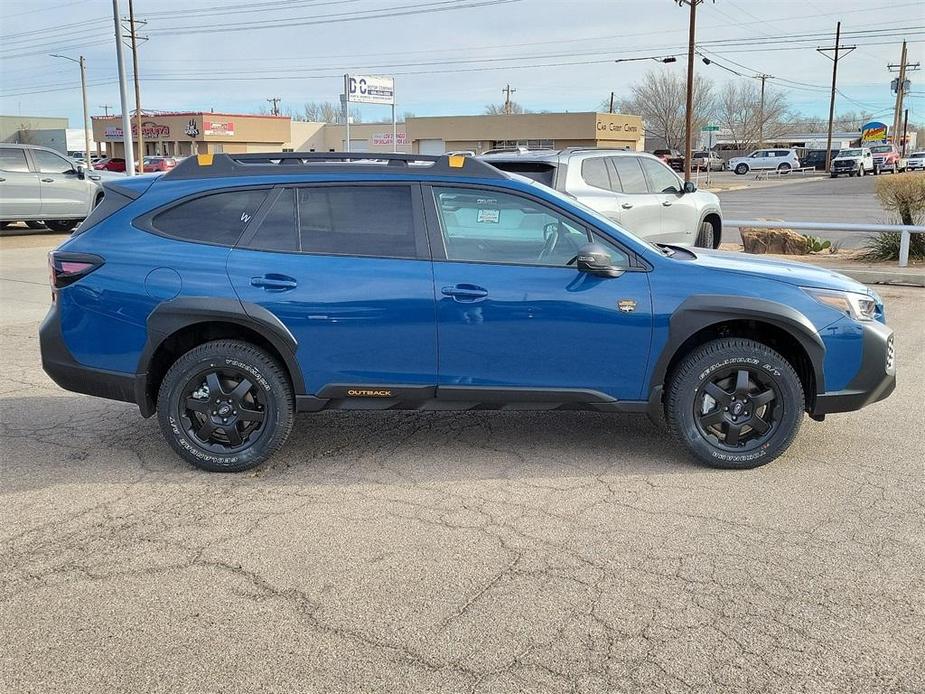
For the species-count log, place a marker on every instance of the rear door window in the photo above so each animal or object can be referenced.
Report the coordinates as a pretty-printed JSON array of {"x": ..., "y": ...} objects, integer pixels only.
[
  {"x": 13, "y": 159},
  {"x": 219, "y": 218},
  {"x": 629, "y": 174},
  {"x": 373, "y": 221},
  {"x": 594, "y": 173}
]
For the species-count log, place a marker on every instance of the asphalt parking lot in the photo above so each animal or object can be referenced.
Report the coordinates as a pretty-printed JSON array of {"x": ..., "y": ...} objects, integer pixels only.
[{"x": 452, "y": 552}]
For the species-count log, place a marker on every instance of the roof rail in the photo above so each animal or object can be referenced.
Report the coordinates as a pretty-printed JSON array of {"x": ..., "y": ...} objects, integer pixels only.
[{"x": 226, "y": 164}]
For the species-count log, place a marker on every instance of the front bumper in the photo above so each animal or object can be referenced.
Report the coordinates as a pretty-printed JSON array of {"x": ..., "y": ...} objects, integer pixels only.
[
  {"x": 874, "y": 381},
  {"x": 844, "y": 166}
]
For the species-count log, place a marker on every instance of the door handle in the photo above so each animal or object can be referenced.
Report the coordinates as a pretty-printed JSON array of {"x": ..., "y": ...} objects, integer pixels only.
[
  {"x": 627, "y": 205},
  {"x": 48, "y": 180},
  {"x": 275, "y": 283},
  {"x": 465, "y": 292},
  {"x": 666, "y": 203},
  {"x": 2, "y": 180}
]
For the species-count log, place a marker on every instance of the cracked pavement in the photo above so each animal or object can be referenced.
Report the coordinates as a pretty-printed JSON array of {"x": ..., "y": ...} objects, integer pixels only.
[{"x": 452, "y": 552}]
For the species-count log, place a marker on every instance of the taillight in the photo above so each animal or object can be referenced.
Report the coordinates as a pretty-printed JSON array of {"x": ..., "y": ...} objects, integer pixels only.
[{"x": 66, "y": 268}]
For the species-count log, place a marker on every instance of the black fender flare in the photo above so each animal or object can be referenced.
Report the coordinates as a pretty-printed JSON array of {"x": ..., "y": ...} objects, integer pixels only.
[
  {"x": 170, "y": 316},
  {"x": 703, "y": 310}
]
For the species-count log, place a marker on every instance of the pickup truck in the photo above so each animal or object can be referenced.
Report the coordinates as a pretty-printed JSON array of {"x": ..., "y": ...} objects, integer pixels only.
[
  {"x": 887, "y": 158},
  {"x": 671, "y": 157}
]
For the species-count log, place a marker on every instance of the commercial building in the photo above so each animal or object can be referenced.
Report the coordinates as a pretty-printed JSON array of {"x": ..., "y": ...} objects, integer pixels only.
[
  {"x": 185, "y": 133},
  {"x": 195, "y": 132},
  {"x": 35, "y": 130},
  {"x": 438, "y": 134}
]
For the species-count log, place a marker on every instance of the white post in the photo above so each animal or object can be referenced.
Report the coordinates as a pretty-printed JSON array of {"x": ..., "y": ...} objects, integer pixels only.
[
  {"x": 347, "y": 111},
  {"x": 126, "y": 120},
  {"x": 394, "y": 130},
  {"x": 87, "y": 131},
  {"x": 904, "y": 240}
]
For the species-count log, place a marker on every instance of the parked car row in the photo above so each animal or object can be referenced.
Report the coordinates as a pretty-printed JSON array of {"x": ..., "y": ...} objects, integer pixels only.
[{"x": 149, "y": 165}]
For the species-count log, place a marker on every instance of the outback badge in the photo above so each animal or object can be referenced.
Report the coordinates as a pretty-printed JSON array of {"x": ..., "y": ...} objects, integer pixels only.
[{"x": 626, "y": 305}]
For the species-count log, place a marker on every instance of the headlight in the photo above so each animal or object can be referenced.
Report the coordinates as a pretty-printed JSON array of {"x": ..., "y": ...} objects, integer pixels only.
[{"x": 858, "y": 306}]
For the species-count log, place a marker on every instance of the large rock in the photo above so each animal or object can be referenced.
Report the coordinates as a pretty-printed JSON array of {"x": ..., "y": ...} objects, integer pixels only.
[{"x": 777, "y": 241}]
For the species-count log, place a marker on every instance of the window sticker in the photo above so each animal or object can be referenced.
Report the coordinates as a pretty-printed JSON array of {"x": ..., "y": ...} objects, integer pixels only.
[{"x": 488, "y": 216}]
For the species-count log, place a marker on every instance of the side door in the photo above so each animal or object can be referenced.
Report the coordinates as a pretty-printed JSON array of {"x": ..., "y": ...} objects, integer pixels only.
[
  {"x": 515, "y": 320},
  {"x": 641, "y": 207},
  {"x": 20, "y": 190},
  {"x": 64, "y": 193},
  {"x": 347, "y": 269},
  {"x": 680, "y": 214},
  {"x": 594, "y": 182}
]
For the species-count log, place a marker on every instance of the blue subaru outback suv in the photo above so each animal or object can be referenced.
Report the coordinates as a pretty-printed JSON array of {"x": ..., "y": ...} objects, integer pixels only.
[{"x": 237, "y": 290}]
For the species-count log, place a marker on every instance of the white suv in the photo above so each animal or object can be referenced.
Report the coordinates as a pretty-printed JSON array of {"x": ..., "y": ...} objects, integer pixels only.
[
  {"x": 38, "y": 183},
  {"x": 633, "y": 189},
  {"x": 765, "y": 160}
]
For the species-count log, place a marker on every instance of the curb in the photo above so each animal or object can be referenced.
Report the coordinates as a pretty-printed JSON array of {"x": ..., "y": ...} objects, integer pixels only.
[{"x": 900, "y": 276}]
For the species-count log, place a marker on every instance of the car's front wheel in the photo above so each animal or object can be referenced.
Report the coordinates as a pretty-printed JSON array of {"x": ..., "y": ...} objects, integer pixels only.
[
  {"x": 741, "y": 169},
  {"x": 734, "y": 403},
  {"x": 706, "y": 237},
  {"x": 226, "y": 406}
]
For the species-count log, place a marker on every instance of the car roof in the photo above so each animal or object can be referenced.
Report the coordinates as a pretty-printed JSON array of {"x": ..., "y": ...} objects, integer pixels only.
[{"x": 554, "y": 155}]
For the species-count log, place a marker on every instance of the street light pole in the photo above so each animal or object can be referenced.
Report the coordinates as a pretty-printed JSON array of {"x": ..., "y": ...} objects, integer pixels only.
[
  {"x": 126, "y": 117},
  {"x": 82, "y": 62}
]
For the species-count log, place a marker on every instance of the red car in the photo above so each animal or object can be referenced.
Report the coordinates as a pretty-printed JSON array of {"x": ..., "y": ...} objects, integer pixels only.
[
  {"x": 110, "y": 164},
  {"x": 152, "y": 164}
]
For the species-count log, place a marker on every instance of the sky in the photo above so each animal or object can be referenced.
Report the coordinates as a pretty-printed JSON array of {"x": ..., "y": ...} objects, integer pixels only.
[{"x": 449, "y": 57}]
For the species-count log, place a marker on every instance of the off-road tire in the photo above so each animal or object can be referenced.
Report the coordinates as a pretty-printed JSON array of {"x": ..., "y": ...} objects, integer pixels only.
[
  {"x": 265, "y": 373},
  {"x": 694, "y": 371}
]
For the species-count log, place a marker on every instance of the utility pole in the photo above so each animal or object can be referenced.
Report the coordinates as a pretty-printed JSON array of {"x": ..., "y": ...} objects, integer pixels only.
[
  {"x": 83, "y": 93},
  {"x": 689, "y": 101},
  {"x": 274, "y": 109},
  {"x": 764, "y": 78},
  {"x": 611, "y": 102},
  {"x": 126, "y": 120},
  {"x": 134, "y": 38},
  {"x": 835, "y": 59},
  {"x": 903, "y": 67},
  {"x": 105, "y": 108},
  {"x": 507, "y": 98}
]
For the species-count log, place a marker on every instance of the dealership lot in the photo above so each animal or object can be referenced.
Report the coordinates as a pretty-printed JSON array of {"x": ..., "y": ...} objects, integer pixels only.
[{"x": 486, "y": 552}]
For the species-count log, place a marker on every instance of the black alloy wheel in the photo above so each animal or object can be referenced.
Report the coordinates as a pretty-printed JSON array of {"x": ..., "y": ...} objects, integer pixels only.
[
  {"x": 734, "y": 403},
  {"x": 226, "y": 405},
  {"x": 222, "y": 410},
  {"x": 737, "y": 408}
]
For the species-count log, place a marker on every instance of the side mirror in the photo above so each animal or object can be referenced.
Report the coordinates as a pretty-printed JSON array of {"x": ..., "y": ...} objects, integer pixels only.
[
  {"x": 81, "y": 174},
  {"x": 690, "y": 187},
  {"x": 595, "y": 259}
]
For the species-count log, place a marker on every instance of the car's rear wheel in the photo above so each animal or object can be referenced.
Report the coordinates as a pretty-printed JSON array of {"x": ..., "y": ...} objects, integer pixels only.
[
  {"x": 741, "y": 169},
  {"x": 226, "y": 406},
  {"x": 706, "y": 238},
  {"x": 734, "y": 403},
  {"x": 784, "y": 168},
  {"x": 62, "y": 225}
]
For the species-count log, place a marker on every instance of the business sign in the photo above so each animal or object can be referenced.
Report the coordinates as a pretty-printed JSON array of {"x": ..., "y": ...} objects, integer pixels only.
[
  {"x": 221, "y": 128},
  {"x": 369, "y": 89},
  {"x": 149, "y": 129},
  {"x": 873, "y": 132},
  {"x": 386, "y": 138}
]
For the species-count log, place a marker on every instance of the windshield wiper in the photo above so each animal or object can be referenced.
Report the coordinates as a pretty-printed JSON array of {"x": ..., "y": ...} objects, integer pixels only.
[{"x": 665, "y": 249}]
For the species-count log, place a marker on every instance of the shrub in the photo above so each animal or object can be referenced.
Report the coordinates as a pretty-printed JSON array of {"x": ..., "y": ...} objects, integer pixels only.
[
  {"x": 885, "y": 246},
  {"x": 903, "y": 196}
]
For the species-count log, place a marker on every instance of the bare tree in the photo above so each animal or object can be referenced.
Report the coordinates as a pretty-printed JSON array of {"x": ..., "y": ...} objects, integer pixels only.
[
  {"x": 659, "y": 100},
  {"x": 739, "y": 110},
  {"x": 498, "y": 109}
]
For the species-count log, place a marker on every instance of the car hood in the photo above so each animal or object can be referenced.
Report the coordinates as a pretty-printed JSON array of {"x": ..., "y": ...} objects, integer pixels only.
[{"x": 800, "y": 274}]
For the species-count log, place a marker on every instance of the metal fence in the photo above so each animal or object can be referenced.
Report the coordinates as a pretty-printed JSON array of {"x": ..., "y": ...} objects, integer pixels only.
[{"x": 906, "y": 230}]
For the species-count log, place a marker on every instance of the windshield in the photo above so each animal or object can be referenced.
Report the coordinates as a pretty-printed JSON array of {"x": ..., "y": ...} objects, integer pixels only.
[
  {"x": 850, "y": 153},
  {"x": 882, "y": 148},
  {"x": 918, "y": 155}
]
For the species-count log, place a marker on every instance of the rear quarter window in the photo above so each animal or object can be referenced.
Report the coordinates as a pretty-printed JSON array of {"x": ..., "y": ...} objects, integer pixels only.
[{"x": 216, "y": 218}]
